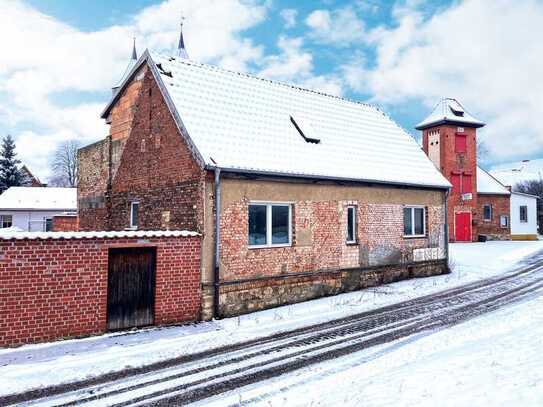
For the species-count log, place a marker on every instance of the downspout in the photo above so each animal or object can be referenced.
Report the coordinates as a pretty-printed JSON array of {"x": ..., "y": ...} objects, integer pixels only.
[
  {"x": 447, "y": 227},
  {"x": 216, "y": 260}
]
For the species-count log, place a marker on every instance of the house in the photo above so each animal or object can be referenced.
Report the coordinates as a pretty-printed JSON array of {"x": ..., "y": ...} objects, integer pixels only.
[
  {"x": 29, "y": 179},
  {"x": 297, "y": 194},
  {"x": 477, "y": 204},
  {"x": 32, "y": 209}
]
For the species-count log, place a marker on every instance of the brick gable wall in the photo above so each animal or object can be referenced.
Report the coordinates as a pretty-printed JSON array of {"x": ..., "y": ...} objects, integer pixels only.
[{"x": 500, "y": 206}]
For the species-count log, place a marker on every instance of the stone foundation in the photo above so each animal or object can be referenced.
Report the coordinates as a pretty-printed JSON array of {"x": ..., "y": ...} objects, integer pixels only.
[{"x": 242, "y": 297}]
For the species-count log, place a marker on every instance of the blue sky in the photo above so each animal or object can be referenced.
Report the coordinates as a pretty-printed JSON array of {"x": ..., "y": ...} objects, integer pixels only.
[{"x": 63, "y": 57}]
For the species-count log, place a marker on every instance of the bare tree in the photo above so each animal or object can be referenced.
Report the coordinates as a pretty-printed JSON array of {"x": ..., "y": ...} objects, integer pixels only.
[{"x": 64, "y": 164}]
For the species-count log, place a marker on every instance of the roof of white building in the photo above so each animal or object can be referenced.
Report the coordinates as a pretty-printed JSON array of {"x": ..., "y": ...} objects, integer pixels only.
[
  {"x": 512, "y": 173},
  {"x": 242, "y": 123},
  {"x": 449, "y": 110},
  {"x": 38, "y": 198},
  {"x": 487, "y": 184}
]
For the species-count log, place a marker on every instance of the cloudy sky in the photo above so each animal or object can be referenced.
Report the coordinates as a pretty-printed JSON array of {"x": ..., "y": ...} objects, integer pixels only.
[{"x": 59, "y": 59}]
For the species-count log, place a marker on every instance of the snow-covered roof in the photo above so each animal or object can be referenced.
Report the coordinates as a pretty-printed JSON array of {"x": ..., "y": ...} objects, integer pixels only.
[
  {"x": 39, "y": 198},
  {"x": 487, "y": 184},
  {"x": 449, "y": 110},
  {"x": 512, "y": 173},
  {"x": 243, "y": 123},
  {"x": 6, "y": 235},
  {"x": 523, "y": 194}
]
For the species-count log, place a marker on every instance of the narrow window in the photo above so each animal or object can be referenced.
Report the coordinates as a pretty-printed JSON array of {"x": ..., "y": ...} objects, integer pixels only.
[
  {"x": 6, "y": 221},
  {"x": 460, "y": 145},
  {"x": 48, "y": 224},
  {"x": 466, "y": 184},
  {"x": 134, "y": 209},
  {"x": 524, "y": 213},
  {"x": 269, "y": 225},
  {"x": 351, "y": 224},
  {"x": 414, "y": 221},
  {"x": 455, "y": 181},
  {"x": 487, "y": 212},
  {"x": 504, "y": 221}
]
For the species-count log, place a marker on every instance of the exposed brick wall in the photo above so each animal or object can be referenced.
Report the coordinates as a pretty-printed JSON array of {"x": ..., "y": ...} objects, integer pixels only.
[
  {"x": 58, "y": 288},
  {"x": 65, "y": 223},
  {"x": 150, "y": 163},
  {"x": 461, "y": 164},
  {"x": 500, "y": 206}
]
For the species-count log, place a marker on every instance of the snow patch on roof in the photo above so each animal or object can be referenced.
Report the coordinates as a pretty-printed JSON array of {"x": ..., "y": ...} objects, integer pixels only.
[
  {"x": 7, "y": 235},
  {"x": 512, "y": 173},
  {"x": 39, "y": 198},
  {"x": 487, "y": 184},
  {"x": 449, "y": 110},
  {"x": 241, "y": 122}
]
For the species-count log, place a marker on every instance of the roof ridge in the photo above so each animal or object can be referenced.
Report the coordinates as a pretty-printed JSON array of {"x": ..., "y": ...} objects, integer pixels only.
[{"x": 272, "y": 81}]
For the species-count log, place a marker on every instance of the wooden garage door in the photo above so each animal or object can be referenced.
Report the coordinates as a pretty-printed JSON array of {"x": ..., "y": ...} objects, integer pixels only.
[{"x": 131, "y": 287}]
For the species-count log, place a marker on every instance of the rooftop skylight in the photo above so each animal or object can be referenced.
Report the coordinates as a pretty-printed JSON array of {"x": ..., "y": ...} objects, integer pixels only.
[{"x": 457, "y": 110}]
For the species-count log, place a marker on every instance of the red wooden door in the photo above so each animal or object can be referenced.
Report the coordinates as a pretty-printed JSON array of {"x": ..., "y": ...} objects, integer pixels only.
[{"x": 462, "y": 228}]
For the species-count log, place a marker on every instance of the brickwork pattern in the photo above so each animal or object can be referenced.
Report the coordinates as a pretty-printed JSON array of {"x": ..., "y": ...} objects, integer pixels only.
[
  {"x": 51, "y": 289},
  {"x": 500, "y": 206},
  {"x": 65, "y": 223}
]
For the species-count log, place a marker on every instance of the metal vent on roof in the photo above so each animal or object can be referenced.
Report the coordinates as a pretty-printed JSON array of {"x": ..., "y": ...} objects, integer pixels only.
[
  {"x": 305, "y": 129},
  {"x": 457, "y": 111}
]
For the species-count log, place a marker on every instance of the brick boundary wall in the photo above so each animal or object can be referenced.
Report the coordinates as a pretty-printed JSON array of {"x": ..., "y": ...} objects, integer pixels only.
[{"x": 57, "y": 288}]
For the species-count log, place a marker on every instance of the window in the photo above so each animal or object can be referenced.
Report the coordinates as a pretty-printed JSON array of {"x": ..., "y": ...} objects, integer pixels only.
[
  {"x": 6, "y": 221},
  {"x": 48, "y": 222},
  {"x": 524, "y": 213},
  {"x": 460, "y": 143},
  {"x": 351, "y": 224},
  {"x": 466, "y": 184},
  {"x": 414, "y": 221},
  {"x": 504, "y": 221},
  {"x": 455, "y": 181},
  {"x": 269, "y": 225},
  {"x": 134, "y": 210},
  {"x": 487, "y": 212}
]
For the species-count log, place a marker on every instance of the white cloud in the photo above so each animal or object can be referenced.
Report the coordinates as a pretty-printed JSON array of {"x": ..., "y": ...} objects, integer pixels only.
[
  {"x": 486, "y": 53},
  {"x": 45, "y": 56},
  {"x": 289, "y": 17},
  {"x": 340, "y": 27}
]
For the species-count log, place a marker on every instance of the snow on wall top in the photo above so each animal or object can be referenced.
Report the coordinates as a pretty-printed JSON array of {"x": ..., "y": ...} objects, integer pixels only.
[
  {"x": 240, "y": 122},
  {"x": 7, "y": 235},
  {"x": 512, "y": 173},
  {"x": 39, "y": 198},
  {"x": 449, "y": 111},
  {"x": 487, "y": 184}
]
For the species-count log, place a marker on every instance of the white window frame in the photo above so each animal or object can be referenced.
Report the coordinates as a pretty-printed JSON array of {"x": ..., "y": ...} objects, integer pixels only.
[
  {"x": 520, "y": 213},
  {"x": 506, "y": 221},
  {"x": 413, "y": 207},
  {"x": 269, "y": 206},
  {"x": 355, "y": 221},
  {"x": 487, "y": 219},
  {"x": 2, "y": 221},
  {"x": 132, "y": 226}
]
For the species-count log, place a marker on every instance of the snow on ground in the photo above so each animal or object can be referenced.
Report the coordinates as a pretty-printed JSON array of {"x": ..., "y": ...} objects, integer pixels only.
[{"x": 39, "y": 365}]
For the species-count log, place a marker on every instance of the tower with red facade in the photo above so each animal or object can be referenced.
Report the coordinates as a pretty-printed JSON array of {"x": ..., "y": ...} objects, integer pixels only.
[{"x": 449, "y": 138}]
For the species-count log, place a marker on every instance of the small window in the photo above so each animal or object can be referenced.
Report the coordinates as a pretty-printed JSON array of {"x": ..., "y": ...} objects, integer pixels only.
[
  {"x": 487, "y": 212},
  {"x": 6, "y": 221},
  {"x": 456, "y": 184},
  {"x": 504, "y": 221},
  {"x": 134, "y": 212},
  {"x": 414, "y": 221},
  {"x": 524, "y": 213},
  {"x": 48, "y": 224},
  {"x": 460, "y": 144},
  {"x": 351, "y": 224},
  {"x": 269, "y": 225},
  {"x": 457, "y": 111},
  {"x": 467, "y": 187}
]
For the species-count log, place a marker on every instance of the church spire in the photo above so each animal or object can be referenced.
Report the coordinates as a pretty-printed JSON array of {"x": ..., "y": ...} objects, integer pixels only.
[{"x": 181, "y": 51}]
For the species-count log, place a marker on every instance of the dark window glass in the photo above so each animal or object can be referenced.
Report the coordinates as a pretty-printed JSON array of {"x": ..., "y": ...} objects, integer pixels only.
[
  {"x": 6, "y": 221},
  {"x": 280, "y": 225},
  {"x": 419, "y": 221},
  {"x": 351, "y": 224},
  {"x": 524, "y": 213},
  {"x": 407, "y": 221},
  {"x": 487, "y": 212},
  {"x": 48, "y": 225},
  {"x": 134, "y": 209},
  {"x": 257, "y": 225}
]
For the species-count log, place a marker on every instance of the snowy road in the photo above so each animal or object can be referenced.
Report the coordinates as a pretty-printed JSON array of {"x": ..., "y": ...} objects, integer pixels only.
[{"x": 196, "y": 377}]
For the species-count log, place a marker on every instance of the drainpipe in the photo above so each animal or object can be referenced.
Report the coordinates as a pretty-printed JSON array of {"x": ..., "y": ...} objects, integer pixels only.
[
  {"x": 216, "y": 310},
  {"x": 447, "y": 226}
]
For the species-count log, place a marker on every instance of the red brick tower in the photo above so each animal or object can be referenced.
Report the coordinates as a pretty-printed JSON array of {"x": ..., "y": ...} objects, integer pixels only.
[{"x": 449, "y": 138}]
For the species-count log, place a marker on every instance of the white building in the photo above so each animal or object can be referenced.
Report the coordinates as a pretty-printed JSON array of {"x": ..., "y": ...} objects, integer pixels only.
[
  {"x": 523, "y": 216},
  {"x": 32, "y": 209}
]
